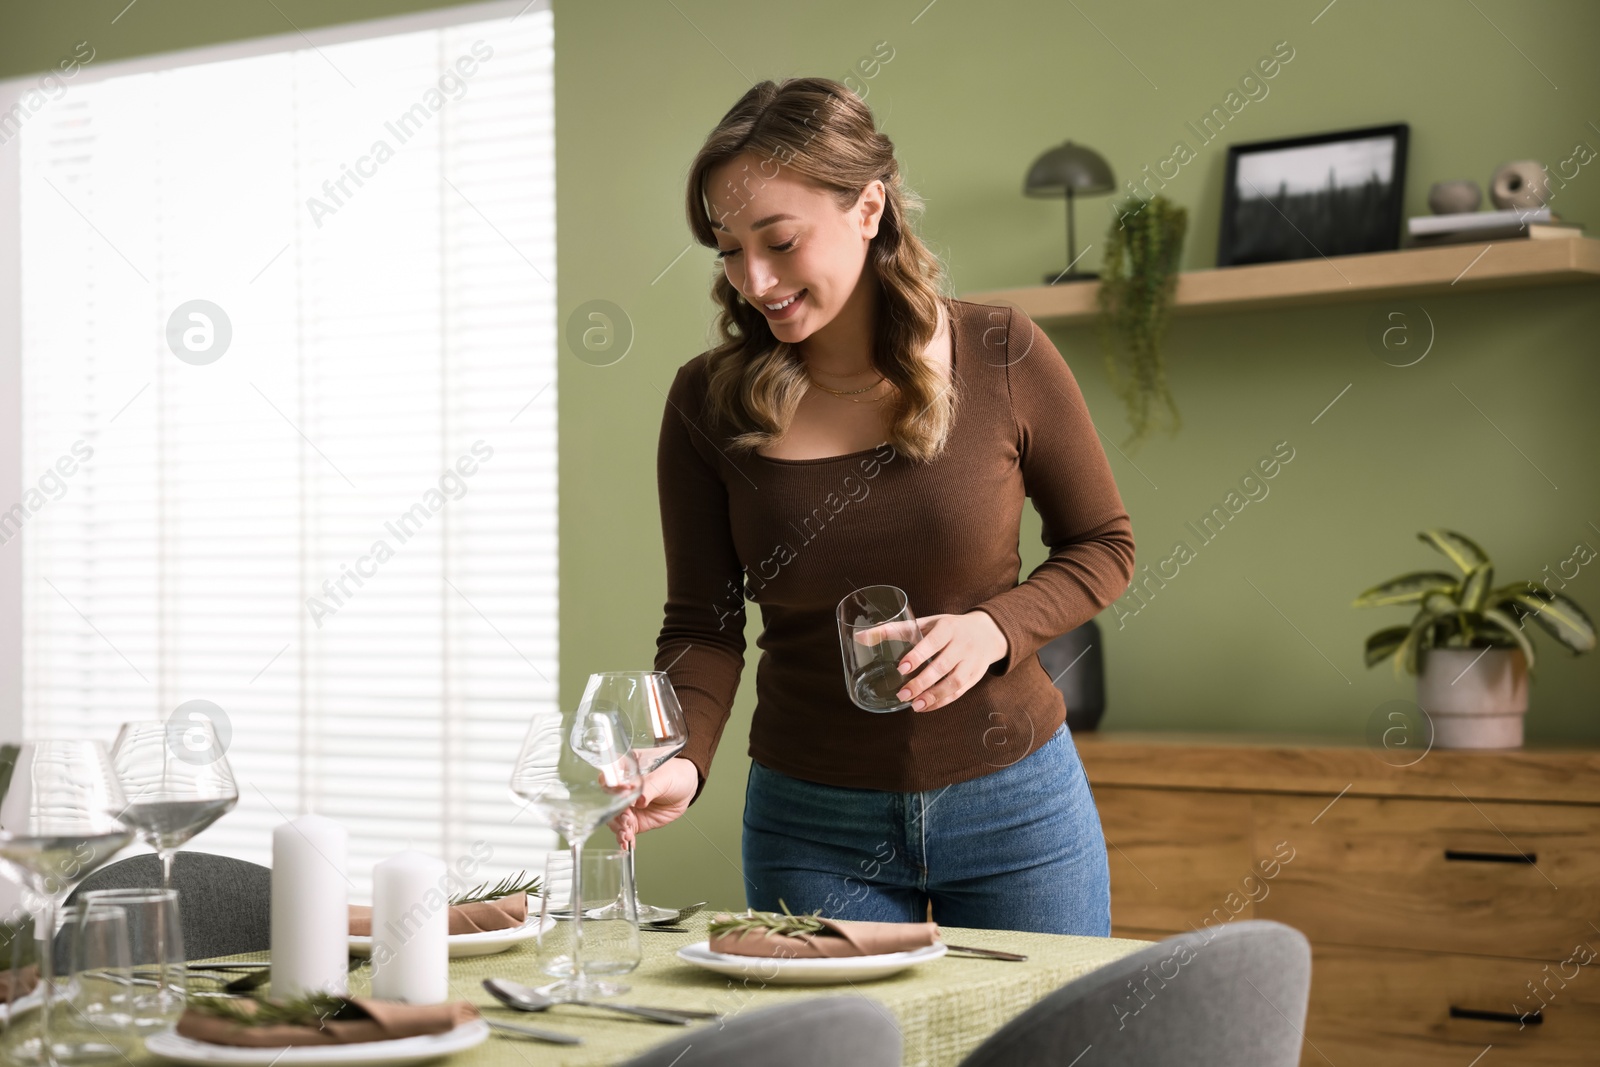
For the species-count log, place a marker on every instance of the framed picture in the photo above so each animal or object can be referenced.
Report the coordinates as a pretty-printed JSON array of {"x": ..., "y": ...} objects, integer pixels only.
[{"x": 1329, "y": 194}]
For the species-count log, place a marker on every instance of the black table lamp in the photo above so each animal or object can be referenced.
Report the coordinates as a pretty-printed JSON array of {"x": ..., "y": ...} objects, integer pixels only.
[{"x": 1077, "y": 171}]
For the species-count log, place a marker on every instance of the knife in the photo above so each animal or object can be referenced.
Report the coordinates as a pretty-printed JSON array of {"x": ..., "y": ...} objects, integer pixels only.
[{"x": 989, "y": 953}]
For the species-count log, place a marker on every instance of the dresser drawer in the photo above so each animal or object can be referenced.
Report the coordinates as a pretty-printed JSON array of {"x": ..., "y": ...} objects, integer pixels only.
[
  {"x": 1175, "y": 855},
  {"x": 1382, "y": 1007},
  {"x": 1498, "y": 879}
]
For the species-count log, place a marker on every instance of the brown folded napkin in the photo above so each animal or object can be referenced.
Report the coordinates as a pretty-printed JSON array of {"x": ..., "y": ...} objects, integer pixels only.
[
  {"x": 383, "y": 1020},
  {"x": 486, "y": 915},
  {"x": 27, "y": 979},
  {"x": 842, "y": 937}
]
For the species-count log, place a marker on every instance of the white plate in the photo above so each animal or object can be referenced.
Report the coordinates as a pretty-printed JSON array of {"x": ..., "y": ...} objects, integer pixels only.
[
  {"x": 486, "y": 943},
  {"x": 22, "y": 1004},
  {"x": 171, "y": 1046},
  {"x": 807, "y": 971}
]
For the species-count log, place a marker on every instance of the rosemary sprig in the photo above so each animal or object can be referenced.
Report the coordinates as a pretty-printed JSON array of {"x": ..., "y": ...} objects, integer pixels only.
[
  {"x": 788, "y": 923},
  {"x": 506, "y": 887},
  {"x": 311, "y": 1010}
]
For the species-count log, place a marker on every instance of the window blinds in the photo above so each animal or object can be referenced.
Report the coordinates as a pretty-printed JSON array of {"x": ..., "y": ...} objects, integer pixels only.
[{"x": 289, "y": 437}]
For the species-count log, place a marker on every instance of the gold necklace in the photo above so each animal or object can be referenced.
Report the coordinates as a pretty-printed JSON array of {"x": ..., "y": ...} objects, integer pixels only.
[{"x": 846, "y": 393}]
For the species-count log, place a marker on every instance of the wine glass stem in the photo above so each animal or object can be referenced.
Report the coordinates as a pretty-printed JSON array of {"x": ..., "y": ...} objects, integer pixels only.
[
  {"x": 45, "y": 955},
  {"x": 578, "y": 986},
  {"x": 167, "y": 856},
  {"x": 633, "y": 879}
]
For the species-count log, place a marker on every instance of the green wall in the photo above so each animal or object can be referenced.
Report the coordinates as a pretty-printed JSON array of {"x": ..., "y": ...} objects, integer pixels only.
[{"x": 1256, "y": 632}]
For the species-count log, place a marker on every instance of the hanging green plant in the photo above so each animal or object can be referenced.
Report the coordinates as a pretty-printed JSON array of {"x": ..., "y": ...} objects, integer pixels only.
[{"x": 1137, "y": 280}]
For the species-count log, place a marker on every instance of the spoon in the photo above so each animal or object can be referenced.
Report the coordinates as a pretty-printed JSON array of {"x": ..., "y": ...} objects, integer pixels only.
[{"x": 522, "y": 998}]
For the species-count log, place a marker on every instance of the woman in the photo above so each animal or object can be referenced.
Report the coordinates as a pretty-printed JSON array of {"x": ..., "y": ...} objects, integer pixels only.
[{"x": 854, "y": 427}]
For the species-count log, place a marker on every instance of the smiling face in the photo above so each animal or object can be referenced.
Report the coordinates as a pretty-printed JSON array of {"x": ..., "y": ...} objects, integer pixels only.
[{"x": 780, "y": 237}]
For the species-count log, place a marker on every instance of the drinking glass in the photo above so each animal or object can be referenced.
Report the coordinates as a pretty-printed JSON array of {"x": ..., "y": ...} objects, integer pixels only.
[
  {"x": 58, "y": 822},
  {"x": 155, "y": 939},
  {"x": 876, "y": 629},
  {"x": 575, "y": 770},
  {"x": 606, "y": 926},
  {"x": 654, "y": 721},
  {"x": 177, "y": 781},
  {"x": 97, "y": 985}
]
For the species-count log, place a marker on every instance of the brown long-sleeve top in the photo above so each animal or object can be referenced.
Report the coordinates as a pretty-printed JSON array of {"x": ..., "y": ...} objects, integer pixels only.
[{"x": 796, "y": 536}]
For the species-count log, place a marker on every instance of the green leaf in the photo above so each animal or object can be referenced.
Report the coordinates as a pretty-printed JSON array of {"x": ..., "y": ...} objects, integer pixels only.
[
  {"x": 1462, "y": 550},
  {"x": 1384, "y": 643},
  {"x": 1561, "y": 618},
  {"x": 1505, "y": 593},
  {"x": 1440, "y": 604},
  {"x": 1407, "y": 656},
  {"x": 1407, "y": 589},
  {"x": 1512, "y": 629},
  {"x": 1475, "y": 587}
]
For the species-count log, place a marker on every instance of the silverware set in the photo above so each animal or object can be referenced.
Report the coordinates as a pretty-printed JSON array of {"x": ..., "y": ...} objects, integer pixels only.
[{"x": 519, "y": 997}]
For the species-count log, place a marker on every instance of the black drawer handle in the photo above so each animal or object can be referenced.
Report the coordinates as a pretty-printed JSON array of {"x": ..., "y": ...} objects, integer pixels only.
[
  {"x": 1491, "y": 857},
  {"x": 1533, "y": 1018}
]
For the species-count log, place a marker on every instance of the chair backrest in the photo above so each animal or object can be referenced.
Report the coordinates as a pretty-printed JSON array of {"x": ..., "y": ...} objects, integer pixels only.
[
  {"x": 1219, "y": 997},
  {"x": 1076, "y": 665},
  {"x": 820, "y": 1032},
  {"x": 225, "y": 904}
]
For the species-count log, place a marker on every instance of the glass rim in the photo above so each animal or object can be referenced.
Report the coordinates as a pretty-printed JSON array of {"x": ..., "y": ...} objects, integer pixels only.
[
  {"x": 900, "y": 595},
  {"x": 82, "y": 910},
  {"x": 599, "y": 853},
  {"x": 170, "y": 724},
  {"x": 131, "y": 895},
  {"x": 627, "y": 674}
]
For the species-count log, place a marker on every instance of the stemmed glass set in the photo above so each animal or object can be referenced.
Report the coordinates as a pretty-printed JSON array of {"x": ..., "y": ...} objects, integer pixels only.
[
  {"x": 578, "y": 768},
  {"x": 68, "y": 806}
]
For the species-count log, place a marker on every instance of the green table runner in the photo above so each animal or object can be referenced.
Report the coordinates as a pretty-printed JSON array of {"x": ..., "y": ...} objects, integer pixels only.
[{"x": 944, "y": 1008}]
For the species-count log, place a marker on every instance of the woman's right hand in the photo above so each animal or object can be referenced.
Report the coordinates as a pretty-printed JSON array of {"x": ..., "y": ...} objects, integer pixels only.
[{"x": 666, "y": 795}]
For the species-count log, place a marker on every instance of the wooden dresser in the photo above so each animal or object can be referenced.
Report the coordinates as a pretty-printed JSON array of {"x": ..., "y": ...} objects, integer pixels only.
[{"x": 1452, "y": 904}]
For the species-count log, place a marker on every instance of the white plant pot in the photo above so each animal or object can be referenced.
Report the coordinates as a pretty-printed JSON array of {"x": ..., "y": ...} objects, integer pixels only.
[{"x": 1476, "y": 697}]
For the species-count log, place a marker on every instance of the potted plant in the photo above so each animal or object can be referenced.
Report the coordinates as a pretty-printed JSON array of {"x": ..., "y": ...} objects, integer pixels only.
[
  {"x": 1468, "y": 645},
  {"x": 1138, "y": 276}
]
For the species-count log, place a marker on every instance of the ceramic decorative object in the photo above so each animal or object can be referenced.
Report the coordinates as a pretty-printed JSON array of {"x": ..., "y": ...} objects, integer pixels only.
[
  {"x": 1475, "y": 697},
  {"x": 1520, "y": 184},
  {"x": 1452, "y": 198}
]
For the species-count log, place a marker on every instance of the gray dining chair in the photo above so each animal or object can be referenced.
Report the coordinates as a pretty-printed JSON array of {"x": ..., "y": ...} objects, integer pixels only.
[
  {"x": 225, "y": 904},
  {"x": 820, "y": 1032},
  {"x": 1075, "y": 663},
  {"x": 1228, "y": 996}
]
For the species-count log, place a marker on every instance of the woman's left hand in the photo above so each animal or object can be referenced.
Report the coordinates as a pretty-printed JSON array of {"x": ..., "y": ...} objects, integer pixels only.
[{"x": 957, "y": 649}]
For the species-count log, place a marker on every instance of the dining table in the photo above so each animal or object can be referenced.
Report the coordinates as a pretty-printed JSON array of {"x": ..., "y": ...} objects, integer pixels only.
[{"x": 944, "y": 1007}]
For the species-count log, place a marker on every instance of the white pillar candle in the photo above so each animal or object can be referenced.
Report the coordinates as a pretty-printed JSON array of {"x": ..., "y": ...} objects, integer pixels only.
[
  {"x": 310, "y": 908},
  {"x": 410, "y": 929}
]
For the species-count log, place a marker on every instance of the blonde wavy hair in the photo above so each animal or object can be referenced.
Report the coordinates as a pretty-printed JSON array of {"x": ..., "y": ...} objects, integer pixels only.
[{"x": 824, "y": 134}]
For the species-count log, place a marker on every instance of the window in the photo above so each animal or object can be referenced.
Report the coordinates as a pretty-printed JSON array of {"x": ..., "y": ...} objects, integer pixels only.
[{"x": 288, "y": 419}]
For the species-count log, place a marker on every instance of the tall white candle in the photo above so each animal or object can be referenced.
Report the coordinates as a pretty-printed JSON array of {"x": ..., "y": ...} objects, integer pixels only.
[
  {"x": 310, "y": 908},
  {"x": 410, "y": 929}
]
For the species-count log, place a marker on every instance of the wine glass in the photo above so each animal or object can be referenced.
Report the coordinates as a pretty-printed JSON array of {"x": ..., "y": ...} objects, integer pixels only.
[
  {"x": 576, "y": 769},
  {"x": 177, "y": 782},
  {"x": 59, "y": 804},
  {"x": 654, "y": 721}
]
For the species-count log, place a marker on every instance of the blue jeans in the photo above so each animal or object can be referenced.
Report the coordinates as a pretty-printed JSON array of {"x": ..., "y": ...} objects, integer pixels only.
[{"x": 1019, "y": 848}]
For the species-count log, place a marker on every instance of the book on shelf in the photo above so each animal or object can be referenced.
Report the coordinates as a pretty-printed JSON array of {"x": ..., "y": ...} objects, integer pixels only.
[{"x": 1466, "y": 226}]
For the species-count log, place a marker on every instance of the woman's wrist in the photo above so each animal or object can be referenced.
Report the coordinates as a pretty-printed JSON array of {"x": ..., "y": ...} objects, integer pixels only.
[{"x": 998, "y": 643}]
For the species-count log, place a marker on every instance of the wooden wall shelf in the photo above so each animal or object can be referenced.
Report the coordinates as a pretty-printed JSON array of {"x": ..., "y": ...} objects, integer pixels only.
[{"x": 1408, "y": 272}]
